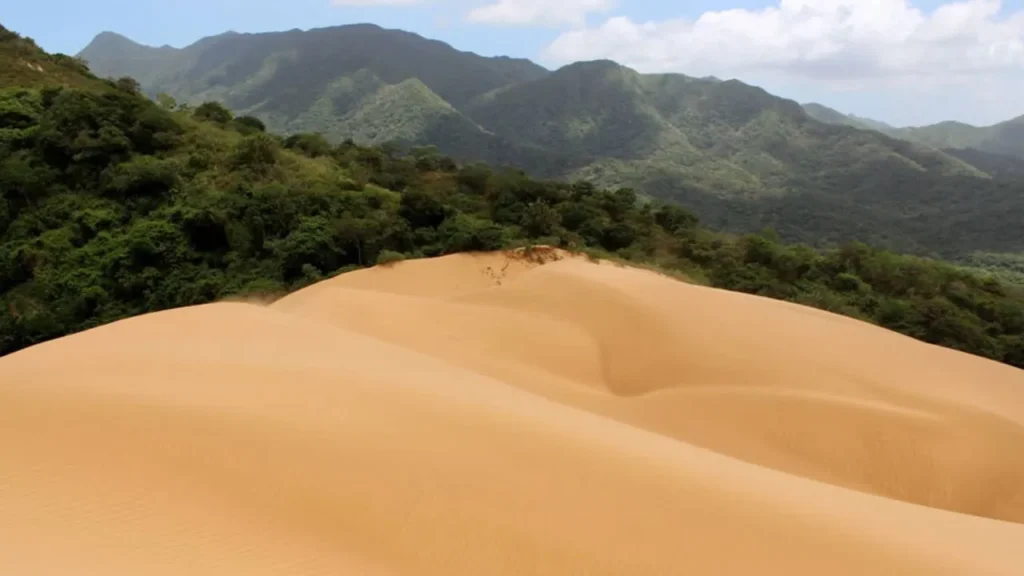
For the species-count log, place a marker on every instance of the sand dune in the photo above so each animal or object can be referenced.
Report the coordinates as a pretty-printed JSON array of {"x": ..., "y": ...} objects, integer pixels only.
[{"x": 489, "y": 414}]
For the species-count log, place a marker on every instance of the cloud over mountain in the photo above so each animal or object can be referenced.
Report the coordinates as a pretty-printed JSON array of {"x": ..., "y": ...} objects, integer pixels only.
[{"x": 847, "y": 43}]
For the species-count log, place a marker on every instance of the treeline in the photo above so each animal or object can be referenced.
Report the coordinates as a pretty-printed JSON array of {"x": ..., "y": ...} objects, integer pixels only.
[{"x": 112, "y": 206}]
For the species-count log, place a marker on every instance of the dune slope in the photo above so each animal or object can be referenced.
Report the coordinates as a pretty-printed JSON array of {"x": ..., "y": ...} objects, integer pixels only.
[{"x": 495, "y": 414}]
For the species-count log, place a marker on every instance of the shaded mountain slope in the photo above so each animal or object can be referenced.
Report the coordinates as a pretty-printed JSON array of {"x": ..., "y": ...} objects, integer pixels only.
[
  {"x": 289, "y": 70},
  {"x": 727, "y": 135},
  {"x": 993, "y": 163},
  {"x": 1005, "y": 138}
]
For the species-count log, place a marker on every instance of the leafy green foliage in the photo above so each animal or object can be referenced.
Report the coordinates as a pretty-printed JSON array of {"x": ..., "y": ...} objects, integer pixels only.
[
  {"x": 312, "y": 145},
  {"x": 214, "y": 112},
  {"x": 249, "y": 124},
  {"x": 389, "y": 257}
]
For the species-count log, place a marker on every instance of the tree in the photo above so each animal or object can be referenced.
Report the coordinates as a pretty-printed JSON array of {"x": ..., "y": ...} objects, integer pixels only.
[
  {"x": 257, "y": 152},
  {"x": 389, "y": 257},
  {"x": 312, "y": 145},
  {"x": 213, "y": 112},
  {"x": 462, "y": 233},
  {"x": 310, "y": 243},
  {"x": 421, "y": 210},
  {"x": 143, "y": 176},
  {"x": 129, "y": 85},
  {"x": 165, "y": 101},
  {"x": 675, "y": 219},
  {"x": 541, "y": 220},
  {"x": 250, "y": 124}
]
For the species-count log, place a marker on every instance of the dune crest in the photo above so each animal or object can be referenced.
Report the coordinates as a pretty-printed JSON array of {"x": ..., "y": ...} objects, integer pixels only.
[{"x": 518, "y": 413}]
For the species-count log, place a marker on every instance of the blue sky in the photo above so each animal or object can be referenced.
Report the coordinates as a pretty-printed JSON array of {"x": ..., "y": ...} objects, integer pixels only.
[{"x": 901, "y": 61}]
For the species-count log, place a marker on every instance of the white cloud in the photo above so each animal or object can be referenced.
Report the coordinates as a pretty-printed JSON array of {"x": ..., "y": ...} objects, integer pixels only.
[
  {"x": 848, "y": 44},
  {"x": 539, "y": 12}
]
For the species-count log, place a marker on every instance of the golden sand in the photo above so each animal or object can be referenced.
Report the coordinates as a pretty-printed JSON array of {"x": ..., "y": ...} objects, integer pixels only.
[{"x": 491, "y": 415}]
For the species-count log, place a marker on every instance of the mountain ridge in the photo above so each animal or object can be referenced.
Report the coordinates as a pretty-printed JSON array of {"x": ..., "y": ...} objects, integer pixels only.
[
  {"x": 858, "y": 120},
  {"x": 208, "y": 80},
  {"x": 1001, "y": 138},
  {"x": 743, "y": 158}
]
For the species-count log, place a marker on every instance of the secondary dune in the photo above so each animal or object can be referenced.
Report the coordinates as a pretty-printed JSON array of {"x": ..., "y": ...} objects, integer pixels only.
[{"x": 507, "y": 414}]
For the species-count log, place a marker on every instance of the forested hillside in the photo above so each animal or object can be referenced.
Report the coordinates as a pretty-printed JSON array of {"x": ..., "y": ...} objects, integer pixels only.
[
  {"x": 331, "y": 80},
  {"x": 111, "y": 206},
  {"x": 25, "y": 64},
  {"x": 1002, "y": 139},
  {"x": 828, "y": 115},
  {"x": 740, "y": 157}
]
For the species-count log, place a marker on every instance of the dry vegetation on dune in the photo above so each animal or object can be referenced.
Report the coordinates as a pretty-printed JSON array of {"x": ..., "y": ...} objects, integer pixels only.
[{"x": 528, "y": 412}]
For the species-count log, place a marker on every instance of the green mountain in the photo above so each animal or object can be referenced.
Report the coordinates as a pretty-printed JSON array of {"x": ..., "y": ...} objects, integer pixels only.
[
  {"x": 993, "y": 163},
  {"x": 872, "y": 124},
  {"x": 329, "y": 80},
  {"x": 741, "y": 157},
  {"x": 286, "y": 73},
  {"x": 112, "y": 205},
  {"x": 1005, "y": 138},
  {"x": 726, "y": 138},
  {"x": 358, "y": 82},
  {"x": 828, "y": 115},
  {"x": 113, "y": 56}
]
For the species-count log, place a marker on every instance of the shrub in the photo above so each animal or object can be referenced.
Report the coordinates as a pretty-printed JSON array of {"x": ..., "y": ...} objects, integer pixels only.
[
  {"x": 213, "y": 112},
  {"x": 249, "y": 124},
  {"x": 386, "y": 257}
]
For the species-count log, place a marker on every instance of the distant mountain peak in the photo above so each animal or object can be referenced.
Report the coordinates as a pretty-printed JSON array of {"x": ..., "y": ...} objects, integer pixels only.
[
  {"x": 108, "y": 38},
  {"x": 602, "y": 63},
  {"x": 110, "y": 35},
  {"x": 111, "y": 44},
  {"x": 1002, "y": 139}
]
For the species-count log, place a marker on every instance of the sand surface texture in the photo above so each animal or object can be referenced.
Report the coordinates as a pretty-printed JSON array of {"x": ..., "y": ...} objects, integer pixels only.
[{"x": 493, "y": 415}]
